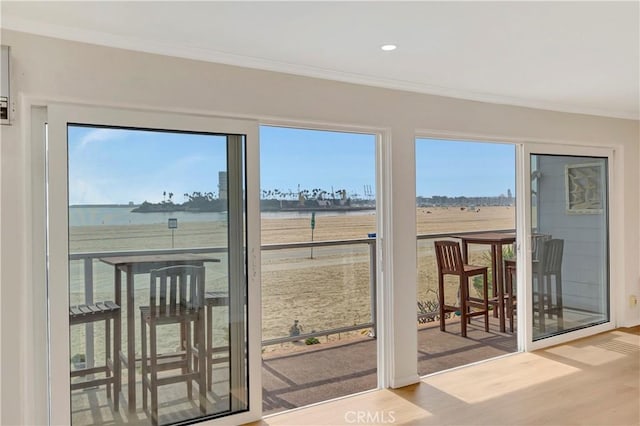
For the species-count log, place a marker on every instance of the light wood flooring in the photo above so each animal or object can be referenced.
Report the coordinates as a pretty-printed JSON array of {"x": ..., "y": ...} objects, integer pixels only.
[{"x": 591, "y": 381}]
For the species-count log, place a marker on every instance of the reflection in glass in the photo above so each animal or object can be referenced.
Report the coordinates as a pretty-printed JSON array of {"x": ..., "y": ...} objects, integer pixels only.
[{"x": 570, "y": 269}]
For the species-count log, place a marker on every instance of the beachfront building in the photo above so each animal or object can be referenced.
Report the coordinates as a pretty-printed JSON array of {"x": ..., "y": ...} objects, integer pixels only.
[{"x": 556, "y": 84}]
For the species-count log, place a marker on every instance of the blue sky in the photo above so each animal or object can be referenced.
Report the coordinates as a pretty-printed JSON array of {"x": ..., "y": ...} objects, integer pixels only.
[
  {"x": 316, "y": 159},
  {"x": 117, "y": 165},
  {"x": 456, "y": 168}
]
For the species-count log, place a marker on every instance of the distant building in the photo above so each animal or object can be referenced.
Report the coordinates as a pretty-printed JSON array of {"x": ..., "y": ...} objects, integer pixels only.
[{"x": 222, "y": 185}]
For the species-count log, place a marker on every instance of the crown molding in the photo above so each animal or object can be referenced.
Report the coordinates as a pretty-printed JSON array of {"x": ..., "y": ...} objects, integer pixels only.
[{"x": 206, "y": 55}]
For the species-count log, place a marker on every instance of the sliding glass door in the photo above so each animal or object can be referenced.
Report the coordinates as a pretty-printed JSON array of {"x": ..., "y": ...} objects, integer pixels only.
[
  {"x": 475, "y": 200},
  {"x": 319, "y": 270},
  {"x": 152, "y": 267},
  {"x": 568, "y": 259}
]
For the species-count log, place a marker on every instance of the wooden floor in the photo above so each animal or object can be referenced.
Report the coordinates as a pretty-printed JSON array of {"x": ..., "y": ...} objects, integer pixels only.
[{"x": 592, "y": 381}]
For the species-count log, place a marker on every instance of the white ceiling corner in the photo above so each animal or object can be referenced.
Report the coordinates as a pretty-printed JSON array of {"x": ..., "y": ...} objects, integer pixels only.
[{"x": 581, "y": 57}]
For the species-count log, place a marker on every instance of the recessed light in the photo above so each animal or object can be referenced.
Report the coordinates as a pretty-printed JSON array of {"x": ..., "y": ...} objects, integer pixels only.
[{"x": 388, "y": 47}]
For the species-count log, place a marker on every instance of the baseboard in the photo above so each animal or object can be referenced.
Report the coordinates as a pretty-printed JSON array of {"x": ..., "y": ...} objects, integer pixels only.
[{"x": 634, "y": 329}]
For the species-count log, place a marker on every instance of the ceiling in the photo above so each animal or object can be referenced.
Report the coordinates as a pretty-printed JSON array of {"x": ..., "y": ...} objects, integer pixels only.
[{"x": 566, "y": 56}]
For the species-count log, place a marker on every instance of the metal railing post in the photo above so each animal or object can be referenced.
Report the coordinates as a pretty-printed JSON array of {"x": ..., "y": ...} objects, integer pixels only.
[
  {"x": 373, "y": 287},
  {"x": 88, "y": 299}
]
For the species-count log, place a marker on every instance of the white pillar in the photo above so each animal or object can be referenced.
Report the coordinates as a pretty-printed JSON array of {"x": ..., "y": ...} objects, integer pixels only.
[{"x": 400, "y": 346}]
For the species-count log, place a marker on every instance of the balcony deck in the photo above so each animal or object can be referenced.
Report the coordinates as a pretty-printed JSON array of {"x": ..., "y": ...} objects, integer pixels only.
[
  {"x": 294, "y": 374},
  {"x": 310, "y": 374},
  {"x": 332, "y": 370}
]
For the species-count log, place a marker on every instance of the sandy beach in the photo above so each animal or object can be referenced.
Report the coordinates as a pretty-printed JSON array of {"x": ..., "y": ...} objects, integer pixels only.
[{"x": 331, "y": 290}]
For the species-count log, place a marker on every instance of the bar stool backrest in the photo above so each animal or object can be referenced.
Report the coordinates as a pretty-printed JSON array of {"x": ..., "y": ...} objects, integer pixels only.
[
  {"x": 449, "y": 257},
  {"x": 176, "y": 287},
  {"x": 551, "y": 252},
  {"x": 536, "y": 241}
]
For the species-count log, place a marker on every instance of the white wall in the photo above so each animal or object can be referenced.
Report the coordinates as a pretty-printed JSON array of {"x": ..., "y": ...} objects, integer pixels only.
[{"x": 51, "y": 69}]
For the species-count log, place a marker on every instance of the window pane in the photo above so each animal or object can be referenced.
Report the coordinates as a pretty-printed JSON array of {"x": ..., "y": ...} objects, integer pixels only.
[
  {"x": 570, "y": 264},
  {"x": 463, "y": 189},
  {"x": 318, "y": 276},
  {"x": 157, "y": 281}
]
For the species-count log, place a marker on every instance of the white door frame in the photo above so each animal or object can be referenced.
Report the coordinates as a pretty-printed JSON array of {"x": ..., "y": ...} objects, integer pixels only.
[
  {"x": 58, "y": 115},
  {"x": 524, "y": 276}
]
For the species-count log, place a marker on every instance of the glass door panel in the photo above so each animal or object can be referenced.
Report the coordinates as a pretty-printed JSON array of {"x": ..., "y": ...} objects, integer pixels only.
[
  {"x": 156, "y": 275},
  {"x": 475, "y": 198},
  {"x": 318, "y": 204},
  {"x": 569, "y": 243}
]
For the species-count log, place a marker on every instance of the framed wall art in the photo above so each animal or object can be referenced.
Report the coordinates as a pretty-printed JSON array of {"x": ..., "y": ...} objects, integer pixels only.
[{"x": 583, "y": 188}]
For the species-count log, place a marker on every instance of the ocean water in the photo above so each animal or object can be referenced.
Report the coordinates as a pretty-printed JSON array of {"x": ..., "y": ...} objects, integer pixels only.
[{"x": 94, "y": 216}]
